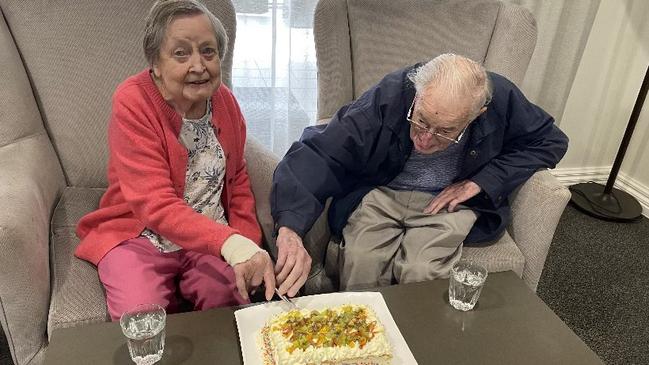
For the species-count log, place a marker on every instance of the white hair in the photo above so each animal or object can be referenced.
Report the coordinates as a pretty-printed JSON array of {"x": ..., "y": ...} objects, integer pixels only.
[
  {"x": 163, "y": 12},
  {"x": 459, "y": 77}
]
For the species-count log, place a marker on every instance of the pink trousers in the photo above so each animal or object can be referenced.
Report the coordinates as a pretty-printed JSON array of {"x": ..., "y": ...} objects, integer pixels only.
[{"x": 136, "y": 272}]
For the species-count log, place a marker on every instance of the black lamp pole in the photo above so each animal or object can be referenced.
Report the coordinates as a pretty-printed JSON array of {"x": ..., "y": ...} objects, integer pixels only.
[{"x": 607, "y": 202}]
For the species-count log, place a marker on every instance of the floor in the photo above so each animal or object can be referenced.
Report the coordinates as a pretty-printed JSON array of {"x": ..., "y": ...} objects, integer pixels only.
[
  {"x": 274, "y": 69},
  {"x": 595, "y": 279}
]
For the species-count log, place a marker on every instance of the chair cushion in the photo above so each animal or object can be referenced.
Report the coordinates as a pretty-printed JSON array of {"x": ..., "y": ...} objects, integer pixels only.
[
  {"x": 77, "y": 295},
  {"x": 502, "y": 255}
]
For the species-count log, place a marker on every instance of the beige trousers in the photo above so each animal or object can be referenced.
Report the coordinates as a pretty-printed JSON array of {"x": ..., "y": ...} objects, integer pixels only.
[{"x": 389, "y": 239}]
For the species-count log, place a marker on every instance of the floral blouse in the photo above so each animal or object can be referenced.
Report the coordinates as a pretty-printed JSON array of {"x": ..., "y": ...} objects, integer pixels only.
[{"x": 205, "y": 174}]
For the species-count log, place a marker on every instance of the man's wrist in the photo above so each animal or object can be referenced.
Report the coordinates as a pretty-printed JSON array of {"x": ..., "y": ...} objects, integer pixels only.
[
  {"x": 476, "y": 185},
  {"x": 290, "y": 220},
  {"x": 285, "y": 230}
]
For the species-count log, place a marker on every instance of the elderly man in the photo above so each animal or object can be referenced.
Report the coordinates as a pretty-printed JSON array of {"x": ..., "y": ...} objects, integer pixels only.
[{"x": 419, "y": 165}]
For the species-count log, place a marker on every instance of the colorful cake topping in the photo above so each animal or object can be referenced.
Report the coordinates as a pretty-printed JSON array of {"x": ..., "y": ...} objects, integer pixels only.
[{"x": 347, "y": 327}]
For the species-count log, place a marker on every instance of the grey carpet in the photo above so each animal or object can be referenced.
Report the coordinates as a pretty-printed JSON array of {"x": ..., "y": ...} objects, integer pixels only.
[{"x": 596, "y": 280}]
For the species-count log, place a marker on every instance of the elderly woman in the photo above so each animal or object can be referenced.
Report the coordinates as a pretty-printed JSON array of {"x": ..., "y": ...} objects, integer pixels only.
[{"x": 178, "y": 218}]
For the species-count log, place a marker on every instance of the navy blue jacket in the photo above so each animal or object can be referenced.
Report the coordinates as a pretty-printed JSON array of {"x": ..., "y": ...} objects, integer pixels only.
[{"x": 366, "y": 144}]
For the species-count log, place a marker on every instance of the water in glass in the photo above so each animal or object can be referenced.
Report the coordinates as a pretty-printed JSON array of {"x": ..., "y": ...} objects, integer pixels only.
[
  {"x": 146, "y": 335},
  {"x": 465, "y": 284}
]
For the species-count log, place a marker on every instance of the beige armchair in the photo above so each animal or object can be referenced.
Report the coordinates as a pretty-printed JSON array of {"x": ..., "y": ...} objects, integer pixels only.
[
  {"x": 60, "y": 63},
  {"x": 359, "y": 41}
]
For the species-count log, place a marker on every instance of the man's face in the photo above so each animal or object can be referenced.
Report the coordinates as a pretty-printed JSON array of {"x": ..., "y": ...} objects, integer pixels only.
[{"x": 436, "y": 122}]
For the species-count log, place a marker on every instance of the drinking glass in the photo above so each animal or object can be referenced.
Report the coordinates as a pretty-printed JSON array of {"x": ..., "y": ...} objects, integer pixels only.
[
  {"x": 144, "y": 326},
  {"x": 465, "y": 284}
]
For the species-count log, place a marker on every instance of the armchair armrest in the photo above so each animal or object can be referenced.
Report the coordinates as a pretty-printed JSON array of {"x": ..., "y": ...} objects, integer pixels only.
[
  {"x": 261, "y": 163},
  {"x": 30, "y": 184},
  {"x": 536, "y": 209}
]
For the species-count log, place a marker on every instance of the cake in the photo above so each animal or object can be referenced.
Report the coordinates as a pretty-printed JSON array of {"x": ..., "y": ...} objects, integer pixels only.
[{"x": 344, "y": 335}]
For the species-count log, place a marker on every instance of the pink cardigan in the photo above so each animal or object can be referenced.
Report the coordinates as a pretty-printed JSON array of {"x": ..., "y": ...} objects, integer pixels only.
[{"x": 146, "y": 176}]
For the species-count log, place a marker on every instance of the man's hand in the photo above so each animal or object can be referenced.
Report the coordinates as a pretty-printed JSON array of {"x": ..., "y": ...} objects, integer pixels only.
[
  {"x": 453, "y": 195},
  {"x": 293, "y": 262},
  {"x": 249, "y": 275}
]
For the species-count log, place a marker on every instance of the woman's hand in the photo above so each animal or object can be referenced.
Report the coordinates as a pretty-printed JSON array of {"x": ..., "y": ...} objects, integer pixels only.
[
  {"x": 250, "y": 274},
  {"x": 293, "y": 262}
]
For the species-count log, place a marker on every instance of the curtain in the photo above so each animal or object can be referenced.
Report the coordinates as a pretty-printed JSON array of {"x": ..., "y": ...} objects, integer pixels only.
[{"x": 563, "y": 29}]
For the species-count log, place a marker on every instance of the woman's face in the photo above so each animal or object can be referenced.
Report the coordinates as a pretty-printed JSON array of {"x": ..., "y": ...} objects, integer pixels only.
[{"x": 188, "y": 70}]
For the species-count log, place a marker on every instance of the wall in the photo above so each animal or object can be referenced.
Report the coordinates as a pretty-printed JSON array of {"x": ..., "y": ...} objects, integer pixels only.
[{"x": 602, "y": 96}]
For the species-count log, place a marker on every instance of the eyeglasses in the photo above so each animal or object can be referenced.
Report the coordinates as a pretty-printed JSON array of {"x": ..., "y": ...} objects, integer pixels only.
[{"x": 419, "y": 128}]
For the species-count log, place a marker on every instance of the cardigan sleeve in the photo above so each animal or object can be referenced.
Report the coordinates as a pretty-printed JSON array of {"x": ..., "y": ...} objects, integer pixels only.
[{"x": 142, "y": 168}]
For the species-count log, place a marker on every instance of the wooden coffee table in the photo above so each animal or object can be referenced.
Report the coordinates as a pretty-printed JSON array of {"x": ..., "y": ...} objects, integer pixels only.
[{"x": 510, "y": 325}]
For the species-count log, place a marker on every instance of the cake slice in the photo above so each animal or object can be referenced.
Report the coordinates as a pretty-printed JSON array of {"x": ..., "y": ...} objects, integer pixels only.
[{"x": 344, "y": 335}]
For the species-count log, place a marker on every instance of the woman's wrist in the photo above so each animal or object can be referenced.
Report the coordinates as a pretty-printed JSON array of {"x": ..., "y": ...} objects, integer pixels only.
[{"x": 237, "y": 249}]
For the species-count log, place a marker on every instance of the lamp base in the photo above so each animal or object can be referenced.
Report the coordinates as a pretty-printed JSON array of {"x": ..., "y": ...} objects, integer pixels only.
[{"x": 616, "y": 206}]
